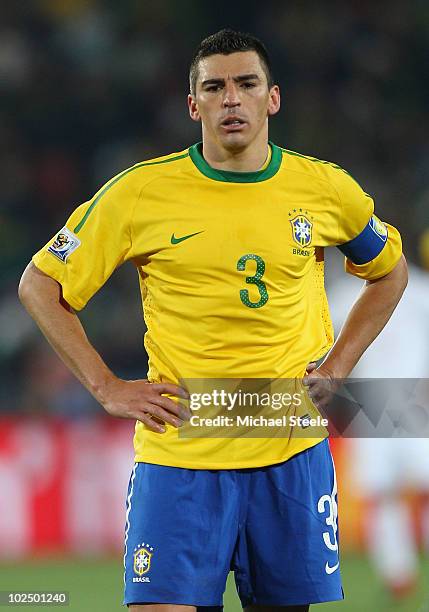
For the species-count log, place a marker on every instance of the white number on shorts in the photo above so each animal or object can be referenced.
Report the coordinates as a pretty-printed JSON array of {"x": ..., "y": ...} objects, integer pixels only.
[{"x": 329, "y": 538}]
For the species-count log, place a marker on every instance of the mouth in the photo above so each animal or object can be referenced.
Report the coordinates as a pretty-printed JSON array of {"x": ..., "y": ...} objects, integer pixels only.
[{"x": 233, "y": 123}]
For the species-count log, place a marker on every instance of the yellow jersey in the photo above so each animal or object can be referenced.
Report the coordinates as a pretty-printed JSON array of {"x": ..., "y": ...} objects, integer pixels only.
[{"x": 230, "y": 266}]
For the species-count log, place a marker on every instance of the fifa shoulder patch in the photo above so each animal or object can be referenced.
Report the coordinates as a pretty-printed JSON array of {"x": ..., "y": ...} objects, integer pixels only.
[{"x": 64, "y": 244}]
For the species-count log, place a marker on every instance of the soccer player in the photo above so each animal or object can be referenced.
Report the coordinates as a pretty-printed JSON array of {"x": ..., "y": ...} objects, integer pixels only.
[{"x": 227, "y": 237}]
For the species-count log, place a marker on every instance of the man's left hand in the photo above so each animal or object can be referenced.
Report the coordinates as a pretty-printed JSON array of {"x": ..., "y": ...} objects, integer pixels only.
[{"x": 320, "y": 383}]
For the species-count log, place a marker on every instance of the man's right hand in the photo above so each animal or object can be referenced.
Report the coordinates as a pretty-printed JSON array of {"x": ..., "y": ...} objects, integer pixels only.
[{"x": 145, "y": 402}]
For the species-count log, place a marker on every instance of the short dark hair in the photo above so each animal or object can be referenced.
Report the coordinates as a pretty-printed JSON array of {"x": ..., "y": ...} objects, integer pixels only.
[{"x": 225, "y": 42}]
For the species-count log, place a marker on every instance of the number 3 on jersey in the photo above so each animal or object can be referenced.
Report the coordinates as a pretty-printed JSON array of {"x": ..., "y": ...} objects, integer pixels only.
[{"x": 253, "y": 280}]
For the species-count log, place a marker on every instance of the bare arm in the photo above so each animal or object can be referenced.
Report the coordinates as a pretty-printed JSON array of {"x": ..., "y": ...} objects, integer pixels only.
[
  {"x": 369, "y": 314},
  {"x": 366, "y": 319},
  {"x": 42, "y": 297}
]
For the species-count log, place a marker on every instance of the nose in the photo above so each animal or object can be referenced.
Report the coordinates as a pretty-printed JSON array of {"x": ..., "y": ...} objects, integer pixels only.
[{"x": 231, "y": 97}]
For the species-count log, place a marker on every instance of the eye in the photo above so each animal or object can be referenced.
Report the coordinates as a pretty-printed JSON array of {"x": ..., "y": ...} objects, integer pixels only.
[
  {"x": 248, "y": 84},
  {"x": 212, "y": 88}
]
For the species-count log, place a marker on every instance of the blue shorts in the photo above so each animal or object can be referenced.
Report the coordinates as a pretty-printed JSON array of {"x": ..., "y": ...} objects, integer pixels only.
[{"x": 274, "y": 526}]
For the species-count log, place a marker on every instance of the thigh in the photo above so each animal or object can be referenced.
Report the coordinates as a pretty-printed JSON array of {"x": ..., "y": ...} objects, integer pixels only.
[
  {"x": 277, "y": 609},
  {"x": 161, "y": 608},
  {"x": 181, "y": 526},
  {"x": 172, "y": 608},
  {"x": 287, "y": 553}
]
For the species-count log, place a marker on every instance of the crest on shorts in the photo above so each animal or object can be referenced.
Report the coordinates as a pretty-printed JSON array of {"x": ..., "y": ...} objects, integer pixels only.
[
  {"x": 302, "y": 229},
  {"x": 142, "y": 557},
  {"x": 64, "y": 244}
]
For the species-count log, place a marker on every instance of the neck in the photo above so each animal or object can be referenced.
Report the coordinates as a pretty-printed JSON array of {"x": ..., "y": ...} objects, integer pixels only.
[{"x": 248, "y": 159}]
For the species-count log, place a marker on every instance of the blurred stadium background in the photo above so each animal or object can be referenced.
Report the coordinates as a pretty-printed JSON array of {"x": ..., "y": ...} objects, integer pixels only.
[{"x": 89, "y": 87}]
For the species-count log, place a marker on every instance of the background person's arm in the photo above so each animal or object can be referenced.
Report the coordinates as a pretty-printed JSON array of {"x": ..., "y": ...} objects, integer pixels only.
[
  {"x": 367, "y": 317},
  {"x": 42, "y": 297}
]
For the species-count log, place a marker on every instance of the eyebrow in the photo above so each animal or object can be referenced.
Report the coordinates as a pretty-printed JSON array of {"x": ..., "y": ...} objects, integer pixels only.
[{"x": 237, "y": 79}]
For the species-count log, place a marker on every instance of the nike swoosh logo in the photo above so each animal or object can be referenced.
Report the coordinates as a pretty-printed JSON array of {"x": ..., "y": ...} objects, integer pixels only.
[
  {"x": 175, "y": 240},
  {"x": 329, "y": 569}
]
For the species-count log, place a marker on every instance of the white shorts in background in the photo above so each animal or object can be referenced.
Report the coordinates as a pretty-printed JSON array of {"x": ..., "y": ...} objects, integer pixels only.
[{"x": 383, "y": 465}]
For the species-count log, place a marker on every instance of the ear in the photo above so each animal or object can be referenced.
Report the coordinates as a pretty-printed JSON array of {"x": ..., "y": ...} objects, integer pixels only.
[
  {"x": 274, "y": 102},
  {"x": 194, "y": 113}
]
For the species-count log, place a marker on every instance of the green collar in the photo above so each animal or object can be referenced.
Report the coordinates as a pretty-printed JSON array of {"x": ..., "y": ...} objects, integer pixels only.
[{"x": 226, "y": 176}]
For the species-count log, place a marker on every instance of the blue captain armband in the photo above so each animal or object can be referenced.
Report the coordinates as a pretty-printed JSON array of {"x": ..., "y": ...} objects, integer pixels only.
[{"x": 368, "y": 244}]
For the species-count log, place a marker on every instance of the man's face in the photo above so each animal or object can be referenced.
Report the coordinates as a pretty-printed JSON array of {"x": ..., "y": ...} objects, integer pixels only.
[{"x": 232, "y": 99}]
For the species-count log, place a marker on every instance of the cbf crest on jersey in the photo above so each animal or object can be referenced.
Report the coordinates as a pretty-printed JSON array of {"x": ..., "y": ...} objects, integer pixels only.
[
  {"x": 64, "y": 244},
  {"x": 142, "y": 557},
  {"x": 302, "y": 230}
]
